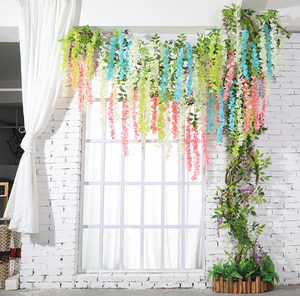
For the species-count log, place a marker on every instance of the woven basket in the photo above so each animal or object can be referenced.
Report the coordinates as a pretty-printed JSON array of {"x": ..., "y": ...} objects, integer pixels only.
[
  {"x": 4, "y": 273},
  {"x": 4, "y": 246},
  {"x": 4, "y": 238}
]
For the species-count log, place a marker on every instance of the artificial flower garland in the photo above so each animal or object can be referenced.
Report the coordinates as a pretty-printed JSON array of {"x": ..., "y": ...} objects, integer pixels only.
[{"x": 175, "y": 90}]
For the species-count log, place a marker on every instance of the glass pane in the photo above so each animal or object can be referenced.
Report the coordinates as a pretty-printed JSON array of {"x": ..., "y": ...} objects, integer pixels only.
[
  {"x": 152, "y": 205},
  {"x": 112, "y": 200},
  {"x": 173, "y": 166},
  {"x": 133, "y": 163},
  {"x": 193, "y": 204},
  {"x": 131, "y": 249},
  {"x": 92, "y": 164},
  {"x": 193, "y": 249},
  {"x": 117, "y": 123},
  {"x": 132, "y": 205},
  {"x": 111, "y": 249},
  {"x": 152, "y": 163},
  {"x": 172, "y": 205},
  {"x": 90, "y": 249},
  {"x": 91, "y": 205},
  {"x": 93, "y": 128},
  {"x": 152, "y": 249},
  {"x": 172, "y": 246},
  {"x": 113, "y": 157}
]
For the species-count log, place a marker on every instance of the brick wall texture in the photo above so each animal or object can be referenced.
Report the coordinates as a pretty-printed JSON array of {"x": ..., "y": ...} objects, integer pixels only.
[{"x": 50, "y": 258}]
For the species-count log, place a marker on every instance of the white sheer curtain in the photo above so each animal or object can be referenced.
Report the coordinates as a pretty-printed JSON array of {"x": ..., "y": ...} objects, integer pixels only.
[{"x": 41, "y": 24}]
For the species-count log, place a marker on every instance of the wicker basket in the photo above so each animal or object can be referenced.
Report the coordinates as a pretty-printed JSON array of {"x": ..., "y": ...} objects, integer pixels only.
[
  {"x": 4, "y": 238},
  {"x": 4, "y": 247}
]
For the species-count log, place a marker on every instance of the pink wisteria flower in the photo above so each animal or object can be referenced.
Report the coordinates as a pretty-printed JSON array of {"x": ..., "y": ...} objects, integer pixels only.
[
  {"x": 263, "y": 111},
  {"x": 124, "y": 131},
  {"x": 188, "y": 145},
  {"x": 175, "y": 131},
  {"x": 196, "y": 157},
  {"x": 111, "y": 117},
  {"x": 230, "y": 75},
  {"x": 255, "y": 101},
  {"x": 248, "y": 104},
  {"x": 154, "y": 115}
]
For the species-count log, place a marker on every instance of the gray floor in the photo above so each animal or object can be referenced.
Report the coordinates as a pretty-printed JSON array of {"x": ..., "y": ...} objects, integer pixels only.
[{"x": 279, "y": 291}]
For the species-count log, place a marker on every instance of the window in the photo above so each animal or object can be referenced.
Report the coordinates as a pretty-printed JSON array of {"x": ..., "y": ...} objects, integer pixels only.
[{"x": 138, "y": 213}]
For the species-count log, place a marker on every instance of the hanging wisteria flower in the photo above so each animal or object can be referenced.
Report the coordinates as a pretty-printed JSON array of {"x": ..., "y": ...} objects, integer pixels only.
[
  {"x": 189, "y": 55},
  {"x": 255, "y": 61},
  {"x": 268, "y": 49},
  {"x": 182, "y": 117},
  {"x": 231, "y": 106},
  {"x": 112, "y": 45},
  {"x": 255, "y": 101},
  {"x": 124, "y": 131},
  {"x": 188, "y": 154},
  {"x": 263, "y": 90},
  {"x": 221, "y": 116},
  {"x": 154, "y": 115},
  {"x": 122, "y": 63},
  {"x": 196, "y": 154},
  {"x": 101, "y": 73},
  {"x": 230, "y": 75},
  {"x": 247, "y": 98},
  {"x": 126, "y": 61},
  {"x": 134, "y": 115},
  {"x": 178, "y": 80},
  {"x": 209, "y": 111},
  {"x": 167, "y": 132},
  {"x": 165, "y": 74},
  {"x": 245, "y": 36},
  {"x": 111, "y": 117},
  {"x": 175, "y": 120}
]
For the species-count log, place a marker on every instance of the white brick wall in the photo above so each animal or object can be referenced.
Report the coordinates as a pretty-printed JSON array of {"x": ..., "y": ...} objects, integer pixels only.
[{"x": 49, "y": 259}]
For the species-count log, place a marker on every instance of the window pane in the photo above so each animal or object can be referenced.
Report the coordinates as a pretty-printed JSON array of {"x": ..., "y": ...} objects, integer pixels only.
[
  {"x": 173, "y": 166},
  {"x": 91, "y": 205},
  {"x": 112, "y": 200},
  {"x": 93, "y": 125},
  {"x": 193, "y": 248},
  {"x": 113, "y": 157},
  {"x": 92, "y": 164},
  {"x": 90, "y": 249},
  {"x": 131, "y": 250},
  {"x": 152, "y": 249},
  {"x": 152, "y": 163},
  {"x": 172, "y": 205},
  {"x": 132, "y": 205},
  {"x": 152, "y": 205},
  {"x": 193, "y": 204},
  {"x": 133, "y": 163},
  {"x": 172, "y": 246},
  {"x": 111, "y": 248}
]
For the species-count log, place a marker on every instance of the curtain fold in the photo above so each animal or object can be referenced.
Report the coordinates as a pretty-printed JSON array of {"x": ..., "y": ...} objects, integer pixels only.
[{"x": 41, "y": 24}]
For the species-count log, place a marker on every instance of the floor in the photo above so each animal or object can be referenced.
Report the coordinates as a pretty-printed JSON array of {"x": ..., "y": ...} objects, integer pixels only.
[{"x": 279, "y": 291}]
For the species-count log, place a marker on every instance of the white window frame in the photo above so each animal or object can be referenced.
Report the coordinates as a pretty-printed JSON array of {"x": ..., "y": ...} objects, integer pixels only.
[{"x": 142, "y": 227}]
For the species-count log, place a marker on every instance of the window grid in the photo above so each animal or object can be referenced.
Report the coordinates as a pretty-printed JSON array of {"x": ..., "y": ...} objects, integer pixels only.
[{"x": 142, "y": 226}]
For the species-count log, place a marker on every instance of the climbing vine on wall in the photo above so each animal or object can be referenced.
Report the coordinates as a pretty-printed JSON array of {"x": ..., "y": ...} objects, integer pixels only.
[{"x": 173, "y": 89}]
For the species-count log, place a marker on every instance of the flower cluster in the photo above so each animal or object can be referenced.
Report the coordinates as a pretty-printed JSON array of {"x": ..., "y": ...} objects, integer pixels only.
[
  {"x": 159, "y": 81},
  {"x": 178, "y": 90},
  {"x": 112, "y": 45},
  {"x": 245, "y": 36},
  {"x": 165, "y": 75},
  {"x": 189, "y": 55}
]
